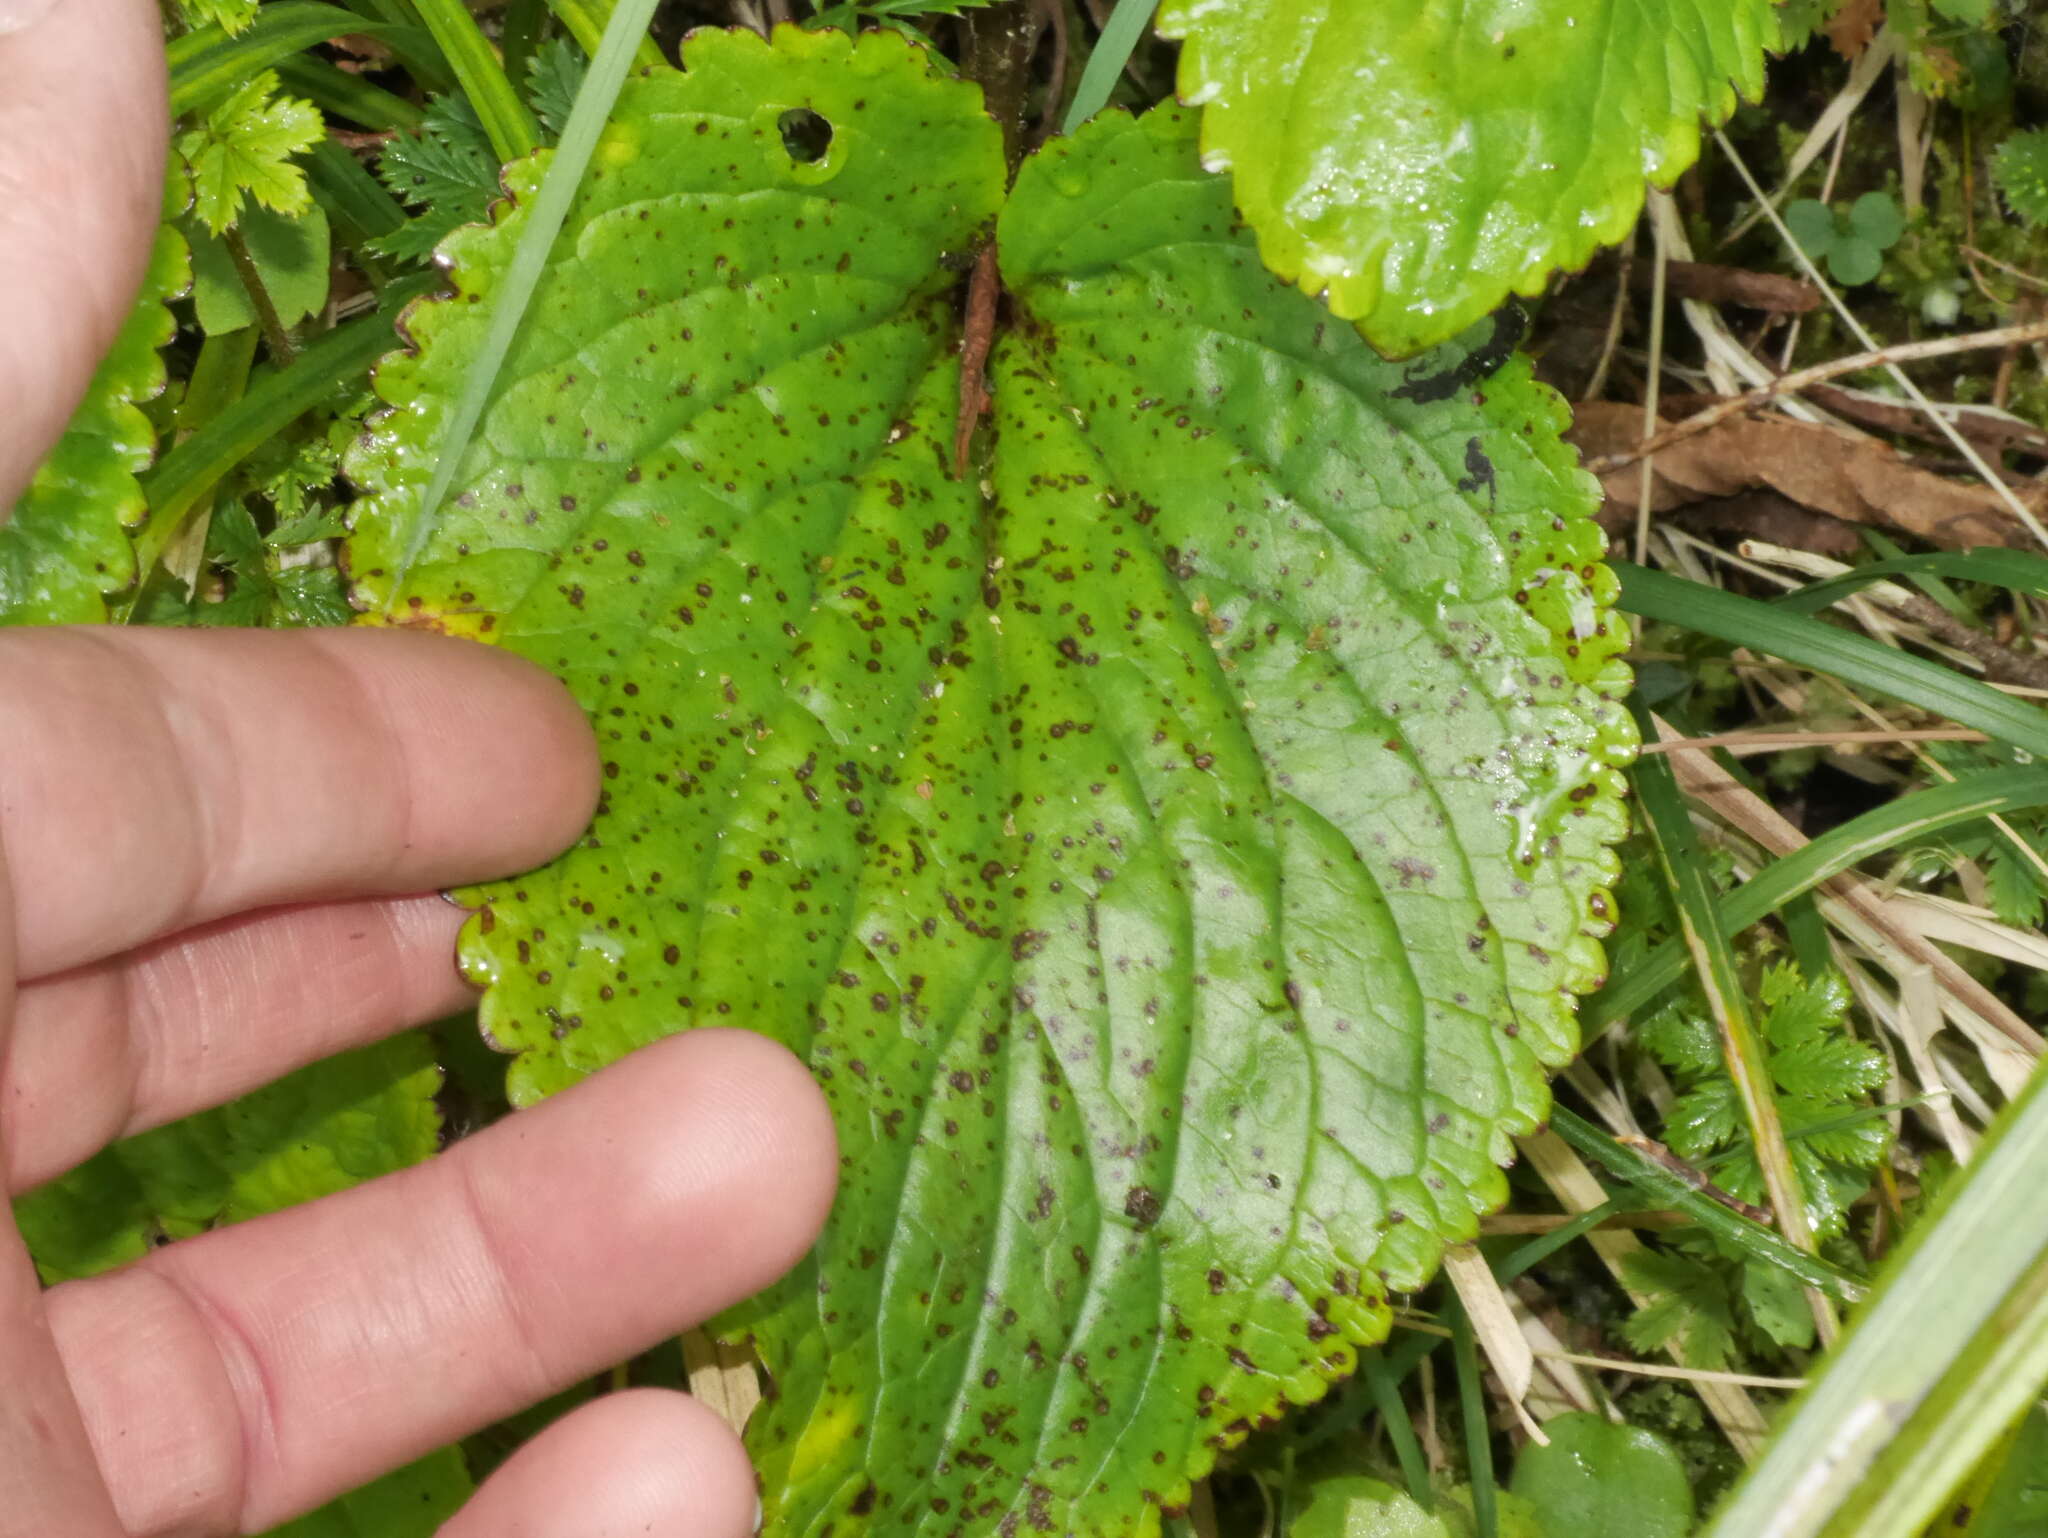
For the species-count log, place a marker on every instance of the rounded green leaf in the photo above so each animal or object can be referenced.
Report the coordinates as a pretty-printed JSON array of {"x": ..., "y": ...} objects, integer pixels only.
[
  {"x": 1600, "y": 1480},
  {"x": 1877, "y": 218},
  {"x": 1175, "y": 844},
  {"x": 67, "y": 545},
  {"x": 1359, "y": 1506},
  {"x": 1853, "y": 260},
  {"x": 291, "y": 256},
  {"x": 1812, "y": 224},
  {"x": 1416, "y": 161}
]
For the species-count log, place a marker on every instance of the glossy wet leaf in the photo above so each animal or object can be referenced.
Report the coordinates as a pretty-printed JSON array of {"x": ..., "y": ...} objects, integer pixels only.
[
  {"x": 1600, "y": 1480},
  {"x": 1174, "y": 845},
  {"x": 1419, "y": 160},
  {"x": 1359, "y": 1506},
  {"x": 323, "y": 1129},
  {"x": 68, "y": 543}
]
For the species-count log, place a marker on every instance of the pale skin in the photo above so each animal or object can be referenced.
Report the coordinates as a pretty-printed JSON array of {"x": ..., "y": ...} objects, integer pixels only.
[{"x": 219, "y": 854}]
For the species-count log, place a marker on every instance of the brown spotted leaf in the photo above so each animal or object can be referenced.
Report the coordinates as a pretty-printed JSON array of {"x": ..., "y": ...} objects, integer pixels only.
[{"x": 1175, "y": 844}]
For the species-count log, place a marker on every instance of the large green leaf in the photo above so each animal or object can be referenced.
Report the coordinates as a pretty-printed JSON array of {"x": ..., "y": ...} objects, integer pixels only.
[
  {"x": 68, "y": 544},
  {"x": 1418, "y": 160},
  {"x": 1596, "y": 1479},
  {"x": 411, "y": 1502},
  {"x": 1175, "y": 844},
  {"x": 317, "y": 1131}
]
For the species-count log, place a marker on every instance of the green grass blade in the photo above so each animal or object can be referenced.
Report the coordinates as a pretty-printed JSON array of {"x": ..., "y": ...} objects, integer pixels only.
[
  {"x": 340, "y": 94},
  {"x": 1854, "y": 659},
  {"x": 1953, "y": 1347},
  {"x": 185, "y": 475},
  {"x": 1527, "y": 1256},
  {"x": 2020, "y": 570},
  {"x": 1113, "y": 51},
  {"x": 508, "y": 122},
  {"x": 350, "y": 193},
  {"x": 1386, "y": 1398},
  {"x": 1472, "y": 1413},
  {"x": 1927, "y": 582},
  {"x": 1909, "y": 817},
  {"x": 1661, "y": 1186},
  {"x": 206, "y": 63},
  {"x": 587, "y": 21},
  {"x": 1721, "y": 983},
  {"x": 520, "y": 35},
  {"x": 608, "y": 66}
]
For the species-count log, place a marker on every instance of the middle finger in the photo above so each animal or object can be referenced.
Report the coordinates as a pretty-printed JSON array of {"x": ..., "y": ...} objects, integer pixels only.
[{"x": 120, "y": 1046}]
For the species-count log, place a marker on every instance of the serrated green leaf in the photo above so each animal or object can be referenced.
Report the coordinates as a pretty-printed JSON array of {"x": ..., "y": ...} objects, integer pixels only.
[
  {"x": 1832, "y": 1069},
  {"x": 1595, "y": 1479},
  {"x": 2020, "y": 166},
  {"x": 446, "y": 170},
  {"x": 291, "y": 256},
  {"x": 1416, "y": 162},
  {"x": 1797, "y": 1009},
  {"x": 1689, "y": 1306},
  {"x": 2014, "y": 886},
  {"x": 1778, "y": 1304},
  {"x": 67, "y": 545},
  {"x": 1678, "y": 1036},
  {"x": 320, "y": 1130},
  {"x": 1175, "y": 845},
  {"x": 1704, "y": 1118},
  {"x": 231, "y": 16},
  {"x": 245, "y": 146},
  {"x": 553, "y": 79}
]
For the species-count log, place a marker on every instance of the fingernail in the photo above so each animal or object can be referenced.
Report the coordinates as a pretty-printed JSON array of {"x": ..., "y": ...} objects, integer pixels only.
[
  {"x": 760, "y": 1516},
  {"x": 20, "y": 15}
]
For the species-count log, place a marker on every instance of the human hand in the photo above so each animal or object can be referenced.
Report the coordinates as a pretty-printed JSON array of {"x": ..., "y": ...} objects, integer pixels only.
[{"x": 207, "y": 842}]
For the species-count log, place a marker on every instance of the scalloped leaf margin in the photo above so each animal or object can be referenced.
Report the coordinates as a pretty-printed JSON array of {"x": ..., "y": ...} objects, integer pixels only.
[
  {"x": 1175, "y": 846},
  {"x": 1416, "y": 161},
  {"x": 69, "y": 544}
]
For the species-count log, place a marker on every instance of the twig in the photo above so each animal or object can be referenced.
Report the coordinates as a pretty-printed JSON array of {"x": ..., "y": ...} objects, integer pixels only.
[
  {"x": 1616, "y": 316},
  {"x": 2006, "y": 267},
  {"x": 1913, "y": 392},
  {"x": 1660, "y": 225},
  {"x": 1612, "y": 1364},
  {"x": 1773, "y": 742},
  {"x": 1906, "y": 352},
  {"x": 978, "y": 336}
]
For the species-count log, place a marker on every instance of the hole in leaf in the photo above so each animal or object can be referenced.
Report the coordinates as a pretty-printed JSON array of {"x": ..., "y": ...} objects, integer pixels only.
[{"x": 805, "y": 135}]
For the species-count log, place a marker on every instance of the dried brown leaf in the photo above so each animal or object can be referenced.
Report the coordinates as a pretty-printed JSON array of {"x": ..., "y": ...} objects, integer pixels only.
[{"x": 1858, "y": 480}]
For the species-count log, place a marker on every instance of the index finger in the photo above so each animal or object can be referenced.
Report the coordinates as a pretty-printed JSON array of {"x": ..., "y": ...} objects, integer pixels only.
[
  {"x": 155, "y": 780},
  {"x": 82, "y": 126}
]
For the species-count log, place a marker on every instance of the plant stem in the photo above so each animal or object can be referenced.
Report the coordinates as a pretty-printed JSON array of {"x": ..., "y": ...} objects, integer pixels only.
[
  {"x": 503, "y": 112},
  {"x": 1834, "y": 368},
  {"x": 1000, "y": 43},
  {"x": 279, "y": 340},
  {"x": 1741, "y": 1050},
  {"x": 585, "y": 21}
]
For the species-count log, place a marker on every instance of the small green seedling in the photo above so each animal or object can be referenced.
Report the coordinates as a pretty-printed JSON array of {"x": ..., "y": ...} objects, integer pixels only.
[{"x": 1852, "y": 244}]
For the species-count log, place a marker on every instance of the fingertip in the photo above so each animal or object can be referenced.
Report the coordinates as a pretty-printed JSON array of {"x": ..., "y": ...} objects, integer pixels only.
[
  {"x": 645, "y": 1462},
  {"x": 779, "y": 1115},
  {"x": 558, "y": 752},
  {"x": 510, "y": 723},
  {"x": 736, "y": 1131}
]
